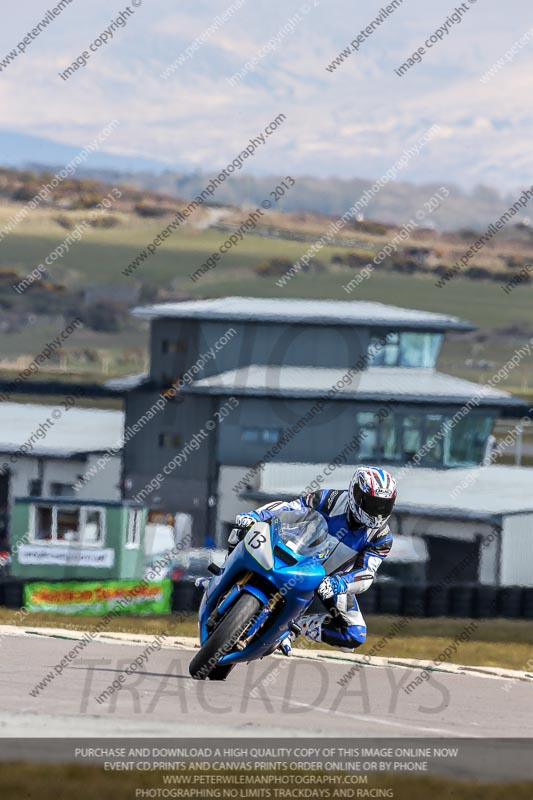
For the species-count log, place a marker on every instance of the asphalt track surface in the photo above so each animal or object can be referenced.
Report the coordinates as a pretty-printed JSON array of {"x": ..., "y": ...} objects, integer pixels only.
[{"x": 276, "y": 697}]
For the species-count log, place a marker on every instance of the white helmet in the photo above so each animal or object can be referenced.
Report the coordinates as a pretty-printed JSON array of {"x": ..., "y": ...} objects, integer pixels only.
[{"x": 372, "y": 495}]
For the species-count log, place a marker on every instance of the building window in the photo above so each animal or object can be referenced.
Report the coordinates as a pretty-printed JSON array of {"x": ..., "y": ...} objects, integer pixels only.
[
  {"x": 263, "y": 435},
  {"x": 468, "y": 440},
  {"x": 64, "y": 524},
  {"x": 384, "y": 353},
  {"x": 35, "y": 488},
  {"x": 61, "y": 490},
  {"x": 93, "y": 526},
  {"x": 173, "y": 346},
  {"x": 172, "y": 392},
  {"x": 170, "y": 440},
  {"x": 133, "y": 535},
  {"x": 42, "y": 523},
  {"x": 436, "y": 441},
  {"x": 376, "y": 440},
  {"x": 405, "y": 350},
  {"x": 67, "y": 523}
]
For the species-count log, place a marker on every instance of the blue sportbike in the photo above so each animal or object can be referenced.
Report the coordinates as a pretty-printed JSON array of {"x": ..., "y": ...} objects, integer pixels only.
[{"x": 254, "y": 601}]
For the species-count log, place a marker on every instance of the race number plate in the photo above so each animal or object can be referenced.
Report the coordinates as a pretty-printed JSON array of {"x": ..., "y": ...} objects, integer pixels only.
[{"x": 258, "y": 543}]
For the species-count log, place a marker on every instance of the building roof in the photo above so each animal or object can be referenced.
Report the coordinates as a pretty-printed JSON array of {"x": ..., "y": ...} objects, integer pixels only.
[
  {"x": 127, "y": 383},
  {"x": 482, "y": 493},
  {"x": 70, "y": 432},
  {"x": 316, "y": 312},
  {"x": 376, "y": 383}
]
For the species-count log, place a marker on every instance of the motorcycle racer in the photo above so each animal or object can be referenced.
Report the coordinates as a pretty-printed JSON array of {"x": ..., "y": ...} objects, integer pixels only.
[{"x": 358, "y": 517}]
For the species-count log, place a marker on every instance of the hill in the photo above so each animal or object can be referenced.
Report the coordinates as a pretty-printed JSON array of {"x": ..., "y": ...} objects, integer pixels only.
[{"x": 88, "y": 279}]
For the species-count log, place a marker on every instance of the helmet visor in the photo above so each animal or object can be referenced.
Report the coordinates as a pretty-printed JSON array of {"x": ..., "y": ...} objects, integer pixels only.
[{"x": 374, "y": 506}]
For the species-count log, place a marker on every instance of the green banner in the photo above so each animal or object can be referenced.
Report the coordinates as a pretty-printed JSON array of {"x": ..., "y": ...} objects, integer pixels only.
[{"x": 99, "y": 598}]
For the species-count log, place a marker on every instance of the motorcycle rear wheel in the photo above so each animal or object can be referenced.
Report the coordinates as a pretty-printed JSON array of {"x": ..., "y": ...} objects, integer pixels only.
[{"x": 204, "y": 664}]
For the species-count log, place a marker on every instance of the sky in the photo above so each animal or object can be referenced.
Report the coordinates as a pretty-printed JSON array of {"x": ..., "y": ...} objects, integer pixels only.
[{"x": 355, "y": 121}]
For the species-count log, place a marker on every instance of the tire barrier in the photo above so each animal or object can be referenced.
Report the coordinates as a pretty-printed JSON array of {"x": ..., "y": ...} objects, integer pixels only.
[
  {"x": 462, "y": 601},
  {"x": 186, "y": 596},
  {"x": 510, "y": 602},
  {"x": 527, "y": 604},
  {"x": 437, "y": 601},
  {"x": 485, "y": 602},
  {"x": 415, "y": 601},
  {"x": 12, "y": 593},
  {"x": 389, "y": 597},
  {"x": 368, "y": 603}
]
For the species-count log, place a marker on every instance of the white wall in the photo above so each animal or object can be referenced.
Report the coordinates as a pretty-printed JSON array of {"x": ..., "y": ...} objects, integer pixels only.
[
  {"x": 459, "y": 530},
  {"x": 229, "y": 504},
  {"x": 105, "y": 485},
  {"x": 517, "y": 550}
]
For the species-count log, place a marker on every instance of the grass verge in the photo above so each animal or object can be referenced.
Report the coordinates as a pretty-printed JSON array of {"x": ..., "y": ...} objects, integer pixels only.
[
  {"x": 495, "y": 643},
  {"x": 20, "y": 781}
]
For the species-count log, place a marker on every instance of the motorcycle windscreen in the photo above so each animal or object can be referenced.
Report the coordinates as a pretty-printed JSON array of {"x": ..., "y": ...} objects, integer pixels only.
[{"x": 303, "y": 532}]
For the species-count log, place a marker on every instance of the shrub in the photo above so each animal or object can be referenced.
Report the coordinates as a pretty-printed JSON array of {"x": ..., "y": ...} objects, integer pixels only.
[
  {"x": 478, "y": 273},
  {"x": 26, "y": 193},
  {"x": 405, "y": 265},
  {"x": 515, "y": 262},
  {"x": 89, "y": 200},
  {"x": 64, "y": 221},
  {"x": 105, "y": 221},
  {"x": 104, "y": 317},
  {"x": 368, "y": 226},
  {"x": 273, "y": 267},
  {"x": 357, "y": 260},
  {"x": 145, "y": 209}
]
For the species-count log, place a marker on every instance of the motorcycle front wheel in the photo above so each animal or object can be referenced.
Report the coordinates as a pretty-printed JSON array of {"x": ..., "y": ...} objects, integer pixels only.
[{"x": 223, "y": 639}]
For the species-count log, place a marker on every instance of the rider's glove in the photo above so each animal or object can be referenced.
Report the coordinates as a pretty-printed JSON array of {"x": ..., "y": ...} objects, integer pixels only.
[
  {"x": 244, "y": 521},
  {"x": 332, "y": 587}
]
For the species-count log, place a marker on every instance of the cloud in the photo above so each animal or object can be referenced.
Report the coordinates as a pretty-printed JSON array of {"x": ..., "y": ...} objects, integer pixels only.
[{"x": 353, "y": 122}]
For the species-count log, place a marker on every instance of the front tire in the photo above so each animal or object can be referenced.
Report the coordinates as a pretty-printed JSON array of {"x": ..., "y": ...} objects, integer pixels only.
[{"x": 223, "y": 639}]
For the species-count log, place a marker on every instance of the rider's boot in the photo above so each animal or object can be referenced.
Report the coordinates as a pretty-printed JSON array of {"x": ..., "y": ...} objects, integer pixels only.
[
  {"x": 311, "y": 626},
  {"x": 285, "y": 646}
]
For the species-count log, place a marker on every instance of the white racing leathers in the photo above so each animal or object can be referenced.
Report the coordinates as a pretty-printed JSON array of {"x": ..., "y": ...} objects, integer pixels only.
[{"x": 357, "y": 560}]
